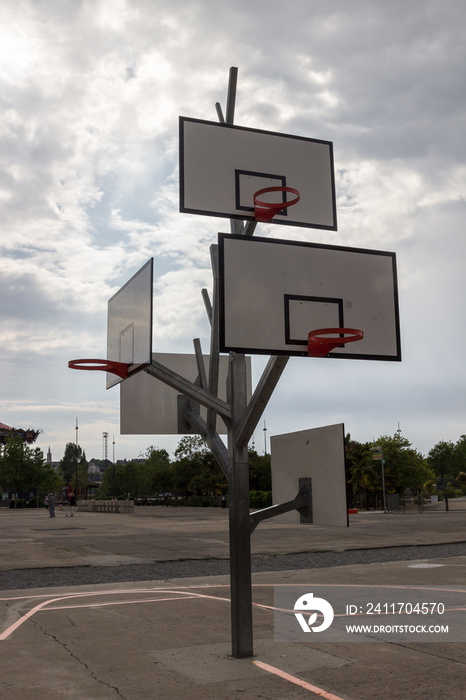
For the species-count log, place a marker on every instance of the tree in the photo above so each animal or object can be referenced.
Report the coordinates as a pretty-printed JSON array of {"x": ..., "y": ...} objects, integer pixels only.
[
  {"x": 448, "y": 461},
  {"x": 260, "y": 473},
  {"x": 195, "y": 469},
  {"x": 441, "y": 459},
  {"x": 74, "y": 463},
  {"x": 23, "y": 469},
  {"x": 405, "y": 468},
  {"x": 159, "y": 471},
  {"x": 459, "y": 457},
  {"x": 45, "y": 478},
  {"x": 16, "y": 466},
  {"x": 130, "y": 478},
  {"x": 359, "y": 468}
]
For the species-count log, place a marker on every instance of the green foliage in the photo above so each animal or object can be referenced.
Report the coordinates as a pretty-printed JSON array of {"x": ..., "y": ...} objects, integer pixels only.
[
  {"x": 193, "y": 474},
  {"x": 448, "y": 462},
  {"x": 260, "y": 472},
  {"x": 16, "y": 465},
  {"x": 18, "y": 503},
  {"x": 195, "y": 471},
  {"x": 260, "y": 499},
  {"x": 193, "y": 477},
  {"x": 159, "y": 471},
  {"x": 441, "y": 459},
  {"x": 74, "y": 468},
  {"x": 23, "y": 468},
  {"x": 404, "y": 467}
]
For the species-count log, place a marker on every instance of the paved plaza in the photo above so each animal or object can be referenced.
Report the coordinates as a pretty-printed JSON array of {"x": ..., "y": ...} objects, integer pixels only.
[{"x": 171, "y": 638}]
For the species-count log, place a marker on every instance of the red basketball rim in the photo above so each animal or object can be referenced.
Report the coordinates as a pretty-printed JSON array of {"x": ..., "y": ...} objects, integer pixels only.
[
  {"x": 320, "y": 346},
  {"x": 118, "y": 368},
  {"x": 265, "y": 211}
]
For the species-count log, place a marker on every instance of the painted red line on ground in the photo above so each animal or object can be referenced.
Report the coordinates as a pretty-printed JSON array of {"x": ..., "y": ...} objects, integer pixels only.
[{"x": 297, "y": 681}]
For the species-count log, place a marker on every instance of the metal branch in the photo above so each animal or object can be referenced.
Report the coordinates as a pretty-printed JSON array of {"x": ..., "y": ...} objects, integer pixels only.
[
  {"x": 200, "y": 364},
  {"x": 260, "y": 398},
  {"x": 214, "y": 336},
  {"x": 213, "y": 440},
  {"x": 207, "y": 304},
  {"x": 221, "y": 118},
  {"x": 189, "y": 389},
  {"x": 231, "y": 97},
  {"x": 250, "y": 228}
]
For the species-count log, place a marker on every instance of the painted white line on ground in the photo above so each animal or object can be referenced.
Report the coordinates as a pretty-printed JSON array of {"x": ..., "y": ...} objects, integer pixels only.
[
  {"x": 43, "y": 606},
  {"x": 187, "y": 593}
]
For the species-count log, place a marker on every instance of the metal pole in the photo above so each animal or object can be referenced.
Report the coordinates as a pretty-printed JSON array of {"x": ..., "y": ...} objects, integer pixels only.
[
  {"x": 76, "y": 494},
  {"x": 240, "y": 544},
  {"x": 383, "y": 480},
  {"x": 113, "y": 475}
]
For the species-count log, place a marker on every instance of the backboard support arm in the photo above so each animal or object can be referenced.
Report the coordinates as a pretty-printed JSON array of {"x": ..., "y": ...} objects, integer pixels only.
[
  {"x": 302, "y": 503},
  {"x": 184, "y": 386}
]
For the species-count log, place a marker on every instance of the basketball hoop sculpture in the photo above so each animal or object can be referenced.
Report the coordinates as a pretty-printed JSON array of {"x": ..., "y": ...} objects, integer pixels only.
[
  {"x": 320, "y": 346},
  {"x": 265, "y": 211}
]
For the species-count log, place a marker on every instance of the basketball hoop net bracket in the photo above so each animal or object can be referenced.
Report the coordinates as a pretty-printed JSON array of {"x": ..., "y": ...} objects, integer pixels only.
[
  {"x": 319, "y": 345},
  {"x": 266, "y": 211},
  {"x": 118, "y": 368}
]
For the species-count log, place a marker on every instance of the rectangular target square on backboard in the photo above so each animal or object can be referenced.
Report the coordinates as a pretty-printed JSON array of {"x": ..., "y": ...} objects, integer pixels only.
[
  {"x": 127, "y": 344},
  {"x": 308, "y": 313},
  {"x": 248, "y": 183}
]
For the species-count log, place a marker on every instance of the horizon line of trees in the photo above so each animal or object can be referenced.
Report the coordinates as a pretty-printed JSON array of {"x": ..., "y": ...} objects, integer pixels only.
[{"x": 193, "y": 470}]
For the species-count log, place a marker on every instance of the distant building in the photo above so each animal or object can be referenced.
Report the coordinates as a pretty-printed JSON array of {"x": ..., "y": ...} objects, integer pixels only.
[{"x": 49, "y": 460}]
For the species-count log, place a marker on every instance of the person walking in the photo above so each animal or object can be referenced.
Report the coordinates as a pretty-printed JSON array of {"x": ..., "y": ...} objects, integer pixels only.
[
  {"x": 72, "y": 502},
  {"x": 51, "y": 505}
]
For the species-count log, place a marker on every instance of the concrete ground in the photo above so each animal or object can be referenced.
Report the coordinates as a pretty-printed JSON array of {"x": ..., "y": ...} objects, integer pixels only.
[{"x": 171, "y": 639}]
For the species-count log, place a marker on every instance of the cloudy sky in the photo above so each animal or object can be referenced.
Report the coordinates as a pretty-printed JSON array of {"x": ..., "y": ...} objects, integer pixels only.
[{"x": 91, "y": 92}]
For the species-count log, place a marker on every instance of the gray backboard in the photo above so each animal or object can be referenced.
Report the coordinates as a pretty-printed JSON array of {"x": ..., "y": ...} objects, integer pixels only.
[
  {"x": 318, "y": 453},
  {"x": 129, "y": 323},
  {"x": 274, "y": 292},
  {"x": 150, "y": 407},
  {"x": 222, "y": 166}
]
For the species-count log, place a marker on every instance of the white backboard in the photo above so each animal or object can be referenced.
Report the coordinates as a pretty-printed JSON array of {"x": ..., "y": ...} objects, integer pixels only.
[
  {"x": 150, "y": 407},
  {"x": 274, "y": 292},
  {"x": 129, "y": 323},
  {"x": 222, "y": 166},
  {"x": 319, "y": 454}
]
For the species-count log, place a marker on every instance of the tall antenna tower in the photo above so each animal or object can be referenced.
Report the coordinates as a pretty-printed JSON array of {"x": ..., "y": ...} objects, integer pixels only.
[{"x": 105, "y": 447}]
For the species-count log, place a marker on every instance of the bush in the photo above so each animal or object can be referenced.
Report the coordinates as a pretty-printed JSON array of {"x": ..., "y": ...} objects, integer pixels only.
[
  {"x": 199, "y": 501},
  {"x": 260, "y": 499},
  {"x": 20, "y": 503}
]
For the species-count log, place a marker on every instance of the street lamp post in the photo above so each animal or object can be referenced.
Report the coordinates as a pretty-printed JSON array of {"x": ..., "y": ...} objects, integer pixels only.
[
  {"x": 113, "y": 474},
  {"x": 77, "y": 443},
  {"x": 377, "y": 454}
]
